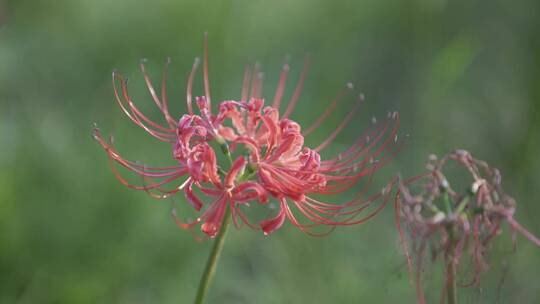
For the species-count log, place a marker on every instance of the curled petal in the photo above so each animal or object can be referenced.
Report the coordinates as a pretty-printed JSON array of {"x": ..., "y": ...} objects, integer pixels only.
[
  {"x": 192, "y": 198},
  {"x": 214, "y": 216},
  {"x": 270, "y": 225},
  {"x": 248, "y": 191},
  {"x": 236, "y": 167},
  {"x": 251, "y": 145}
]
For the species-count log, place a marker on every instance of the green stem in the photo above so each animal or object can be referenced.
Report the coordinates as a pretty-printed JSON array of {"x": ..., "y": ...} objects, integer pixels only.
[
  {"x": 213, "y": 259},
  {"x": 451, "y": 284},
  {"x": 447, "y": 202},
  {"x": 462, "y": 204},
  {"x": 226, "y": 152}
]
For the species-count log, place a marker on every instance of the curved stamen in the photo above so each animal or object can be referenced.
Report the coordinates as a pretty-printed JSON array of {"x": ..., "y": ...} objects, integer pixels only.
[
  {"x": 135, "y": 115},
  {"x": 162, "y": 105},
  {"x": 189, "y": 99},
  {"x": 281, "y": 86},
  {"x": 172, "y": 123},
  {"x": 245, "y": 84},
  {"x": 205, "y": 72},
  {"x": 255, "y": 79},
  {"x": 298, "y": 89},
  {"x": 257, "y": 85},
  {"x": 343, "y": 124},
  {"x": 328, "y": 110}
]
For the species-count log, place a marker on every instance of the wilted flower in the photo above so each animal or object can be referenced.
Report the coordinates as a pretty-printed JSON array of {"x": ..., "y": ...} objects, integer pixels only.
[
  {"x": 266, "y": 156},
  {"x": 453, "y": 224}
]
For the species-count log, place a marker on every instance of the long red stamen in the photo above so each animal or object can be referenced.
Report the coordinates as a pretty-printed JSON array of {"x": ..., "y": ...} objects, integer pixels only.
[
  {"x": 328, "y": 110},
  {"x": 298, "y": 89},
  {"x": 281, "y": 86},
  {"x": 189, "y": 99},
  {"x": 205, "y": 72}
]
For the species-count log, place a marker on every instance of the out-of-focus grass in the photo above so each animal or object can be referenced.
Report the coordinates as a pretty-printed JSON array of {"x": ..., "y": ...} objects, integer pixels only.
[{"x": 463, "y": 75}]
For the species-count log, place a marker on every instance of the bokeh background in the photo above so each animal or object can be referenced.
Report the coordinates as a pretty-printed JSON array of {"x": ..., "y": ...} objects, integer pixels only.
[{"x": 463, "y": 74}]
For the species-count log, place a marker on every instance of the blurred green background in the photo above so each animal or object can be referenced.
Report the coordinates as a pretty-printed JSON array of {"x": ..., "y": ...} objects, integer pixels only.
[{"x": 463, "y": 74}]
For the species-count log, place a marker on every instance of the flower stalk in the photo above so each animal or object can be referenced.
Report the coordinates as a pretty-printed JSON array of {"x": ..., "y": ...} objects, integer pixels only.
[
  {"x": 451, "y": 285},
  {"x": 213, "y": 259}
]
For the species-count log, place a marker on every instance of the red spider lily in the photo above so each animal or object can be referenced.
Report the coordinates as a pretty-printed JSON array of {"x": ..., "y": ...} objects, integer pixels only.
[
  {"x": 454, "y": 224},
  {"x": 277, "y": 163}
]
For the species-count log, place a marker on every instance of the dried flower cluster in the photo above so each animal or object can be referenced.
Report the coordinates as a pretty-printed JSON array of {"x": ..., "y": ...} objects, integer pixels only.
[
  {"x": 453, "y": 224},
  {"x": 265, "y": 157}
]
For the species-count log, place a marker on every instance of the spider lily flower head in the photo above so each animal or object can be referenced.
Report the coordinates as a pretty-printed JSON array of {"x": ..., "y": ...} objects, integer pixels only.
[
  {"x": 457, "y": 225},
  {"x": 277, "y": 165}
]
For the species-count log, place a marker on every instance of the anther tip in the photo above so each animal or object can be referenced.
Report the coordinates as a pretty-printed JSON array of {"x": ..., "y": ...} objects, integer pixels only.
[
  {"x": 143, "y": 60},
  {"x": 95, "y": 132},
  {"x": 349, "y": 85},
  {"x": 445, "y": 184}
]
